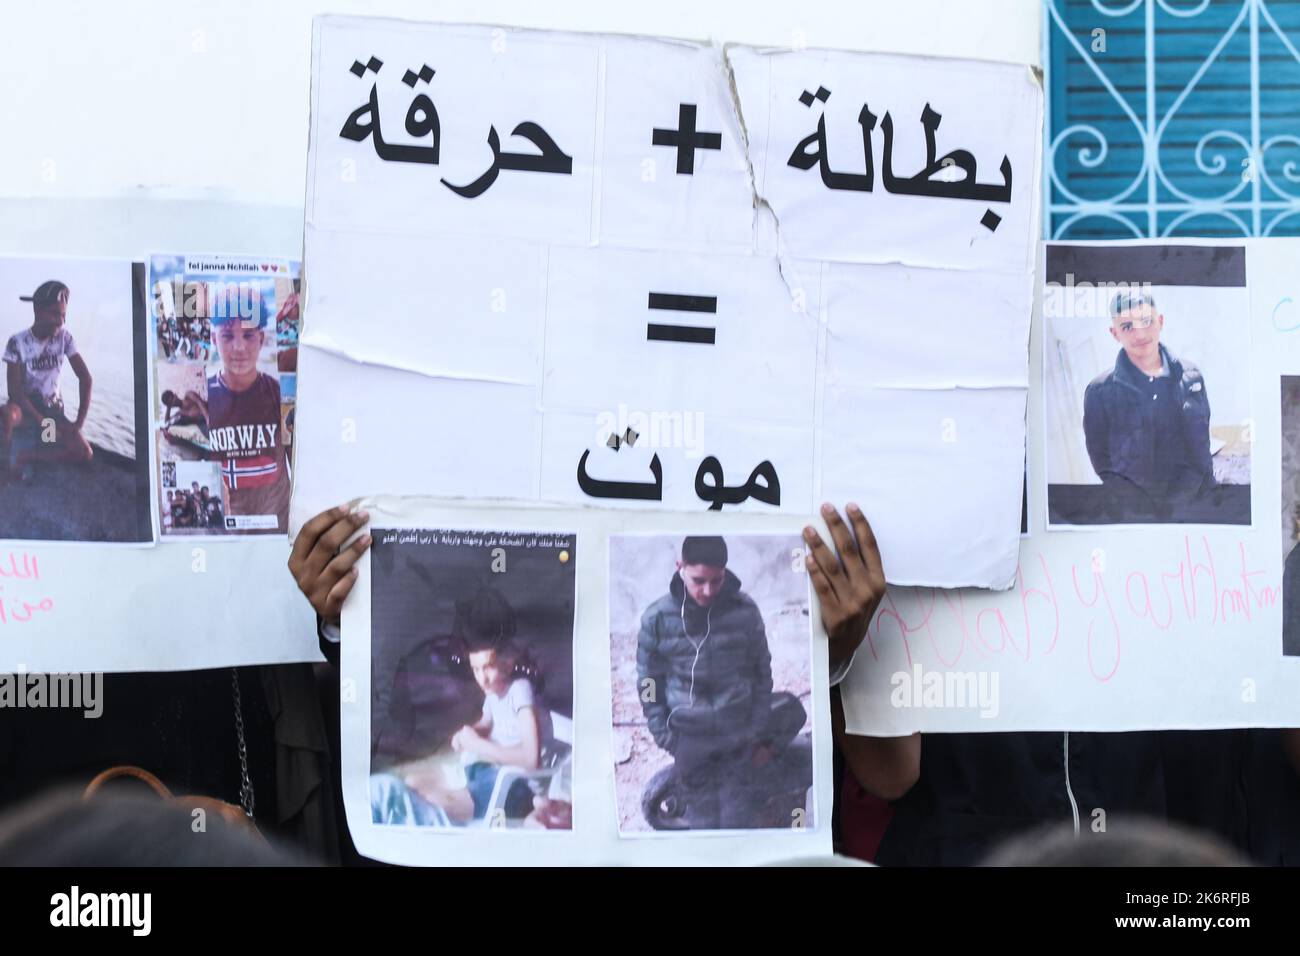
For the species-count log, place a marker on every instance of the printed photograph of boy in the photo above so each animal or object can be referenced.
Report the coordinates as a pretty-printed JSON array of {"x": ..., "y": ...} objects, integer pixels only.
[
  {"x": 219, "y": 319},
  {"x": 1291, "y": 515},
  {"x": 711, "y": 651},
  {"x": 75, "y": 408},
  {"x": 182, "y": 412},
  {"x": 472, "y": 678},
  {"x": 1146, "y": 385},
  {"x": 244, "y": 422}
]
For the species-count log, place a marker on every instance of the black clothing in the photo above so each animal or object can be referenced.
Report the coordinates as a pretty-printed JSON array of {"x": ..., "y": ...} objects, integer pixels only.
[
  {"x": 1148, "y": 431},
  {"x": 976, "y": 790}
]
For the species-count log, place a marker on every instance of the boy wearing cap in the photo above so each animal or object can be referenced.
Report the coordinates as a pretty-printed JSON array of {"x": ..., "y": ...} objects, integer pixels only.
[
  {"x": 34, "y": 358},
  {"x": 244, "y": 419},
  {"x": 704, "y": 675}
]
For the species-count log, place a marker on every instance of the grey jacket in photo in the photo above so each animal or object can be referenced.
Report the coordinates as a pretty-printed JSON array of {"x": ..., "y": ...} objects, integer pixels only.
[{"x": 710, "y": 668}]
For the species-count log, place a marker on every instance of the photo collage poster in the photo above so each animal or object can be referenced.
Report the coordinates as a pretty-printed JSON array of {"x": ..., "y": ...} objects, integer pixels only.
[
  {"x": 225, "y": 342},
  {"x": 570, "y": 684}
]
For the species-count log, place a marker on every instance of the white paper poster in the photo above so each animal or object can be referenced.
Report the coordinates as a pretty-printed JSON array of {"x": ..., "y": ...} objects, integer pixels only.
[
  {"x": 1163, "y": 499},
  {"x": 519, "y": 689},
  {"x": 72, "y": 597},
  {"x": 639, "y": 273}
]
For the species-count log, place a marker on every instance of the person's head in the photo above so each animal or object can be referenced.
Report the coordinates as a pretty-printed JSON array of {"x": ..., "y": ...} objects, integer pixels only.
[
  {"x": 170, "y": 494},
  {"x": 194, "y": 486},
  {"x": 60, "y": 828},
  {"x": 485, "y": 623},
  {"x": 203, "y": 492},
  {"x": 239, "y": 328},
  {"x": 49, "y": 308},
  {"x": 493, "y": 668},
  {"x": 703, "y": 567},
  {"x": 169, "y": 398},
  {"x": 1136, "y": 841},
  {"x": 1136, "y": 325}
]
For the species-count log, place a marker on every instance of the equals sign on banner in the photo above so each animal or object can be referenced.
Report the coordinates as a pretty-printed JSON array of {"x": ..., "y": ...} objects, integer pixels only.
[{"x": 668, "y": 302}]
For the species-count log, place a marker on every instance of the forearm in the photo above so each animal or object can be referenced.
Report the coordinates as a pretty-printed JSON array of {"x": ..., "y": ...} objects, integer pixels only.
[
  {"x": 841, "y": 653},
  {"x": 1096, "y": 438},
  {"x": 656, "y": 717},
  {"x": 83, "y": 398},
  {"x": 19, "y": 398},
  {"x": 516, "y": 755},
  {"x": 885, "y": 766},
  {"x": 330, "y": 636},
  {"x": 651, "y": 685}
]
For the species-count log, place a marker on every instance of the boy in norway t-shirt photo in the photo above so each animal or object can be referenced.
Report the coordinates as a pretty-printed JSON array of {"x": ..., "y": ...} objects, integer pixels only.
[{"x": 244, "y": 423}]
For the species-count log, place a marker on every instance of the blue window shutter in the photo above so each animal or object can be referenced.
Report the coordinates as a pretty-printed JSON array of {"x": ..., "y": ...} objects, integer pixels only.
[{"x": 1186, "y": 124}]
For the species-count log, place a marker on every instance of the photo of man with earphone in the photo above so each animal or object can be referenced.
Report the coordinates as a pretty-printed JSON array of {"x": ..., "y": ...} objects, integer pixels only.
[{"x": 704, "y": 674}]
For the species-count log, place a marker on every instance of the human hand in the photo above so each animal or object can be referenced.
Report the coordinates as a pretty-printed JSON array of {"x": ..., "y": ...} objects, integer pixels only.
[
  {"x": 325, "y": 574},
  {"x": 849, "y": 587},
  {"x": 465, "y": 739}
]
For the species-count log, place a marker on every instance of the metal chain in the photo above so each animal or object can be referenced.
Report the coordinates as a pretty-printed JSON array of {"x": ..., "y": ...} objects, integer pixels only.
[{"x": 245, "y": 781}]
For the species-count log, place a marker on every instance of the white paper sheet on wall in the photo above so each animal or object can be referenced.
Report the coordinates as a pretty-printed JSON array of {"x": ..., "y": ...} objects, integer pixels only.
[
  {"x": 625, "y": 232},
  {"x": 933, "y": 161}
]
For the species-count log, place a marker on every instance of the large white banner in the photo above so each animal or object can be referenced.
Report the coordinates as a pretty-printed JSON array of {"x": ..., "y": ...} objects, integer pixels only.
[
  {"x": 628, "y": 272},
  {"x": 1153, "y": 589}
]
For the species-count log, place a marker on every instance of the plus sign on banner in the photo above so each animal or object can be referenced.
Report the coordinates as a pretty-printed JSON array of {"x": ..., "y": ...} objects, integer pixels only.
[{"x": 634, "y": 272}]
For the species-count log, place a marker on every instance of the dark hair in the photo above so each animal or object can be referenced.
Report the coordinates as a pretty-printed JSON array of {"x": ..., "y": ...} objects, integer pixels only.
[
  {"x": 487, "y": 622},
  {"x": 1136, "y": 841},
  {"x": 484, "y": 621},
  {"x": 165, "y": 399},
  {"x": 59, "y": 828},
  {"x": 705, "y": 549},
  {"x": 1129, "y": 301}
]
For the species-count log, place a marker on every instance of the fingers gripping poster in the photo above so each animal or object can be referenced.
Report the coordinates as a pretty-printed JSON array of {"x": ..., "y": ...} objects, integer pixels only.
[
  {"x": 558, "y": 685},
  {"x": 634, "y": 273}
]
